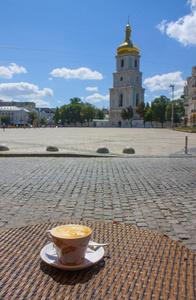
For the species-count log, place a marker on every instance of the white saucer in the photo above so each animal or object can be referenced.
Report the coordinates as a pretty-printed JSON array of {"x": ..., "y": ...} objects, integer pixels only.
[{"x": 49, "y": 256}]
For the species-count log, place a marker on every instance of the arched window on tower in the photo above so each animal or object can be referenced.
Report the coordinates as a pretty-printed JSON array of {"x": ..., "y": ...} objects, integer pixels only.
[
  {"x": 120, "y": 102},
  {"x": 122, "y": 63},
  {"x": 137, "y": 100},
  {"x": 135, "y": 63}
]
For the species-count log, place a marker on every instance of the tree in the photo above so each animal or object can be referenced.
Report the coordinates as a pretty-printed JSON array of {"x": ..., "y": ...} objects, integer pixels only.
[
  {"x": 5, "y": 119},
  {"x": 75, "y": 100},
  {"x": 75, "y": 110},
  {"x": 159, "y": 108},
  {"x": 65, "y": 116},
  {"x": 57, "y": 115},
  {"x": 88, "y": 113},
  {"x": 43, "y": 121},
  {"x": 71, "y": 113},
  {"x": 149, "y": 117},
  {"x": 178, "y": 111},
  {"x": 127, "y": 114},
  {"x": 82, "y": 117},
  {"x": 141, "y": 110},
  {"x": 32, "y": 117},
  {"x": 99, "y": 114}
]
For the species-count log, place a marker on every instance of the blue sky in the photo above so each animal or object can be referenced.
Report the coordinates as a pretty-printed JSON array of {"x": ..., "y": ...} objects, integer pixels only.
[{"x": 54, "y": 50}]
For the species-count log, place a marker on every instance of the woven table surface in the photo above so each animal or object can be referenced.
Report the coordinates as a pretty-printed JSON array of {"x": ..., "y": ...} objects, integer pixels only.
[{"x": 138, "y": 264}]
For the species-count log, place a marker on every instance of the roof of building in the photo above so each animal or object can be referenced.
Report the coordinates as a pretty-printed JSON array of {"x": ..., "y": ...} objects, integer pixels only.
[
  {"x": 12, "y": 108},
  {"x": 128, "y": 46}
]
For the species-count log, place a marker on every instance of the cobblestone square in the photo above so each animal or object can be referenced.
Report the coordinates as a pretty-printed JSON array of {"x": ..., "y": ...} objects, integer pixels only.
[
  {"x": 157, "y": 191},
  {"x": 154, "y": 193}
]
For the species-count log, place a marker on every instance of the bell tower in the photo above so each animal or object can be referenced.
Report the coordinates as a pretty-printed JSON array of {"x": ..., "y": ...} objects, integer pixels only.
[{"x": 127, "y": 80}]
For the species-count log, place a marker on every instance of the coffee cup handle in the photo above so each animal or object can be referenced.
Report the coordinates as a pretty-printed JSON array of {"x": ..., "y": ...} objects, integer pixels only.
[{"x": 48, "y": 235}]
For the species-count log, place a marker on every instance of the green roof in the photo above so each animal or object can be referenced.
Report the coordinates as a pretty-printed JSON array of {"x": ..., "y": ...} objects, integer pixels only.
[{"x": 100, "y": 120}]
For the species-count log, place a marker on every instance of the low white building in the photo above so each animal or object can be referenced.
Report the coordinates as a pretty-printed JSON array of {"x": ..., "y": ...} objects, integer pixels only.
[{"x": 18, "y": 116}]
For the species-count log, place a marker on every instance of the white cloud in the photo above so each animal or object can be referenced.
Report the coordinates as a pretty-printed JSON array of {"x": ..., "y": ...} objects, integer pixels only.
[
  {"x": 162, "y": 26},
  {"x": 97, "y": 98},
  {"x": 40, "y": 103},
  {"x": 58, "y": 101},
  {"x": 155, "y": 96},
  {"x": 184, "y": 29},
  {"x": 177, "y": 93},
  {"x": 162, "y": 82},
  {"x": 23, "y": 90},
  {"x": 81, "y": 73},
  {"x": 91, "y": 89},
  {"x": 8, "y": 72},
  {"x": 192, "y": 4}
]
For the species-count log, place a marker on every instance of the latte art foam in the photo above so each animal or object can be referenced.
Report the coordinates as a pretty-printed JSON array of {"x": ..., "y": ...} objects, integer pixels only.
[{"x": 70, "y": 231}]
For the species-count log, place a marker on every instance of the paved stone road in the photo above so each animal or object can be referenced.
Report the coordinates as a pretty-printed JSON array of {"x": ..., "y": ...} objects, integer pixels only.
[
  {"x": 146, "y": 142},
  {"x": 154, "y": 193}
]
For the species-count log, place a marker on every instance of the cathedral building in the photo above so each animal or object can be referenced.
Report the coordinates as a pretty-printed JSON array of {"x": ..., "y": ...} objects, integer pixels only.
[{"x": 127, "y": 81}]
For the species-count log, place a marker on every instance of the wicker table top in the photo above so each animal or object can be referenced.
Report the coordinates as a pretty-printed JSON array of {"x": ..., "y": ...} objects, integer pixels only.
[{"x": 138, "y": 264}]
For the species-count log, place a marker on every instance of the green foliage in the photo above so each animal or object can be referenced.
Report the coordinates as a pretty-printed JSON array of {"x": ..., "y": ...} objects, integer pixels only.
[
  {"x": 71, "y": 113},
  {"x": 57, "y": 115},
  {"x": 88, "y": 113},
  {"x": 127, "y": 114},
  {"x": 77, "y": 112},
  {"x": 5, "y": 119},
  {"x": 141, "y": 110},
  {"x": 178, "y": 111},
  {"x": 77, "y": 108},
  {"x": 64, "y": 113},
  {"x": 99, "y": 114},
  {"x": 32, "y": 117},
  {"x": 159, "y": 109},
  {"x": 75, "y": 101},
  {"x": 149, "y": 117},
  {"x": 43, "y": 121}
]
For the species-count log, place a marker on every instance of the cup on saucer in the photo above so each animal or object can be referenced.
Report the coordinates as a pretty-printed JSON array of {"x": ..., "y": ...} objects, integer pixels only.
[{"x": 70, "y": 242}]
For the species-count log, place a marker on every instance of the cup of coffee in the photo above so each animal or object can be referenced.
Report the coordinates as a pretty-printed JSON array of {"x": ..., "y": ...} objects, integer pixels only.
[{"x": 71, "y": 242}]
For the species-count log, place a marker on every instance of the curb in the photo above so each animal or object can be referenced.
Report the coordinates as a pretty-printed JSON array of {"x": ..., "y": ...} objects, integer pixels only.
[{"x": 79, "y": 155}]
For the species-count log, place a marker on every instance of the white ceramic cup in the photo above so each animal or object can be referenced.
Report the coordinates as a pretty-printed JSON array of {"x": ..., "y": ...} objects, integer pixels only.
[{"x": 70, "y": 242}]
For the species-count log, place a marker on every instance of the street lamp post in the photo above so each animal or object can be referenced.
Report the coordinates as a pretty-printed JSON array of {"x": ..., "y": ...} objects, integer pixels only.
[{"x": 172, "y": 86}]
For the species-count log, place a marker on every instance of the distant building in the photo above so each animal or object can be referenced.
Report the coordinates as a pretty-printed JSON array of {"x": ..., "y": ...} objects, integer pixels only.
[
  {"x": 127, "y": 81},
  {"x": 87, "y": 104},
  {"x": 18, "y": 116},
  {"x": 99, "y": 123},
  {"x": 26, "y": 105},
  {"x": 47, "y": 113},
  {"x": 190, "y": 98},
  {"x": 105, "y": 110}
]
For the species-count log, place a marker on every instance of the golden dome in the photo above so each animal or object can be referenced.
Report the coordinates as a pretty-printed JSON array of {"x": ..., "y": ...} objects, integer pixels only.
[{"x": 128, "y": 46}]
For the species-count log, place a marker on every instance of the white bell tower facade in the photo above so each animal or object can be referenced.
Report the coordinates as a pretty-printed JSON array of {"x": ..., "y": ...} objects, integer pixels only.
[{"x": 127, "y": 81}]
